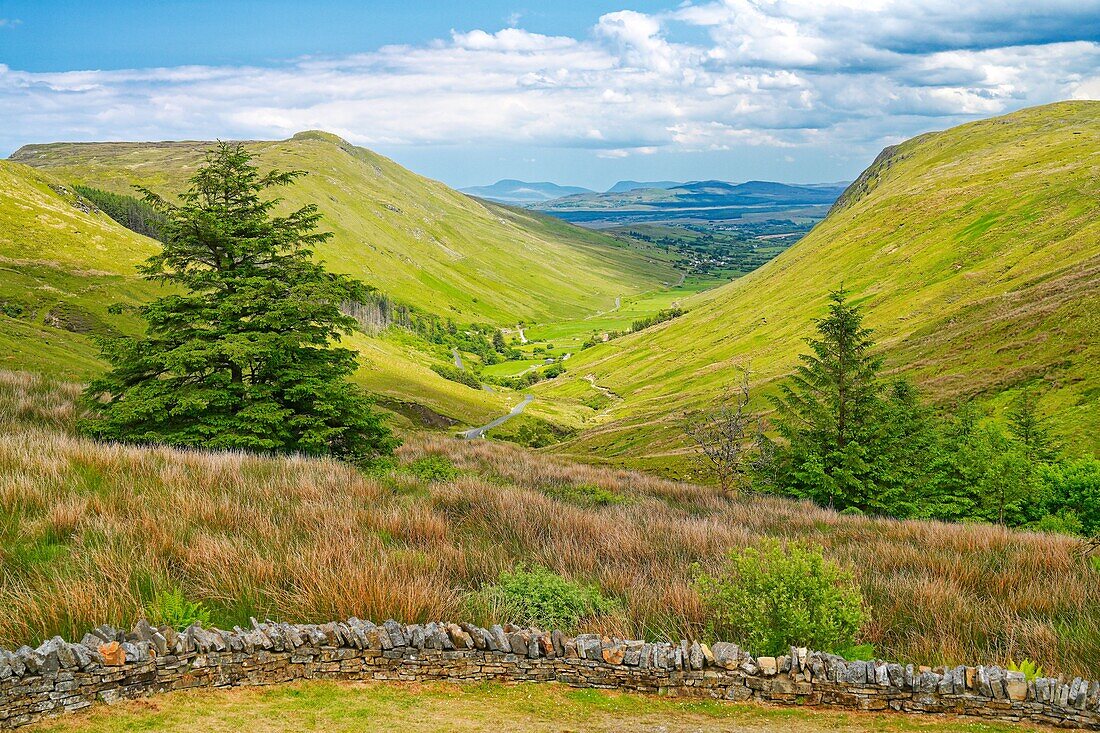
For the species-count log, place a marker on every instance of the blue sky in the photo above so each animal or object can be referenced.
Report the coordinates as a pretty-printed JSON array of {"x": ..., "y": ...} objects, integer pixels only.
[{"x": 580, "y": 93}]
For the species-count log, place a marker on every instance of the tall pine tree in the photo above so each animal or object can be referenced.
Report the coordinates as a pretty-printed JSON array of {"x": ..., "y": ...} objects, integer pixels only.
[
  {"x": 241, "y": 356},
  {"x": 826, "y": 412}
]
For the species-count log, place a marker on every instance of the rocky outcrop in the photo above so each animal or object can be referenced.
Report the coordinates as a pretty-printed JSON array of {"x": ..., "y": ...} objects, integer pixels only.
[{"x": 109, "y": 664}]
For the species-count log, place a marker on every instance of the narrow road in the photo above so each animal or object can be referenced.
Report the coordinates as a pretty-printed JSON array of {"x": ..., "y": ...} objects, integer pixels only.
[
  {"x": 480, "y": 432},
  {"x": 458, "y": 358},
  {"x": 522, "y": 338}
]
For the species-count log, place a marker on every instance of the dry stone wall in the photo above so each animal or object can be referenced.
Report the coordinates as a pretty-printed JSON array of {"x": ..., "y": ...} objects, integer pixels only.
[{"x": 109, "y": 665}]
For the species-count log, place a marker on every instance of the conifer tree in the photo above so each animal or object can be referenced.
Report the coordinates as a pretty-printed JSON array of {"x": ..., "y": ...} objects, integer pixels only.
[
  {"x": 241, "y": 354},
  {"x": 826, "y": 411},
  {"x": 1030, "y": 428}
]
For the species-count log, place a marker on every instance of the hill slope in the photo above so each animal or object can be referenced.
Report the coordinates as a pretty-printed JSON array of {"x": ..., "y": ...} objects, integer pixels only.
[
  {"x": 63, "y": 264},
  {"x": 410, "y": 236},
  {"x": 67, "y": 275},
  {"x": 976, "y": 252}
]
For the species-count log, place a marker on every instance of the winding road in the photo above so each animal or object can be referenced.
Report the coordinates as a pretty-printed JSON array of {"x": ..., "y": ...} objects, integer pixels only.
[
  {"x": 458, "y": 358},
  {"x": 473, "y": 433}
]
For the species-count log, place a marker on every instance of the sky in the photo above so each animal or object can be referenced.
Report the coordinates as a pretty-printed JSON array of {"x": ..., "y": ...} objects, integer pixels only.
[{"x": 581, "y": 93}]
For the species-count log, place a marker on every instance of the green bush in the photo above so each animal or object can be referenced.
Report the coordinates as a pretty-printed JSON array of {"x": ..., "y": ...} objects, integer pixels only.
[
  {"x": 456, "y": 375},
  {"x": 537, "y": 597},
  {"x": 171, "y": 608},
  {"x": 586, "y": 495},
  {"x": 1064, "y": 522},
  {"x": 771, "y": 598},
  {"x": 433, "y": 468}
]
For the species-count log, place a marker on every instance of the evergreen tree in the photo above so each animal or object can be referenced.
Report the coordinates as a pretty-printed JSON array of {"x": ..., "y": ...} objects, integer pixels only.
[
  {"x": 903, "y": 442},
  {"x": 826, "y": 412},
  {"x": 1030, "y": 428},
  {"x": 241, "y": 356}
]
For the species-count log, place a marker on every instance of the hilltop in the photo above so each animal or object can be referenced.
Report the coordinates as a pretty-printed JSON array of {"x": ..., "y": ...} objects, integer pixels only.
[
  {"x": 976, "y": 253},
  {"x": 411, "y": 237}
]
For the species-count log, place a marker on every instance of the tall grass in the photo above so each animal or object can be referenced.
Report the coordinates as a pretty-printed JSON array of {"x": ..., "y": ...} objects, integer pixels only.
[{"x": 89, "y": 533}]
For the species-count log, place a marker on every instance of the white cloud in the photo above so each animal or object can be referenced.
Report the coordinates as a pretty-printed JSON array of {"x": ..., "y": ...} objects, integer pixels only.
[{"x": 841, "y": 75}]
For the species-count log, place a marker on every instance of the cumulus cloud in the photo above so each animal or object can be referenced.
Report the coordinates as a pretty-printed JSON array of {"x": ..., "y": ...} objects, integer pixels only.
[{"x": 718, "y": 75}]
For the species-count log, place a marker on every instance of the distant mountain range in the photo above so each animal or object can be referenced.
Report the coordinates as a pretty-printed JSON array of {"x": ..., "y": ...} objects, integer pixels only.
[
  {"x": 701, "y": 194},
  {"x": 656, "y": 194},
  {"x": 511, "y": 191},
  {"x": 624, "y": 186}
]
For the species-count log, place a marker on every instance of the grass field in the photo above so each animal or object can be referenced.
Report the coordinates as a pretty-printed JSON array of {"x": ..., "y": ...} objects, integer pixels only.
[
  {"x": 976, "y": 253},
  {"x": 568, "y": 335},
  {"x": 482, "y": 708},
  {"x": 90, "y": 533}
]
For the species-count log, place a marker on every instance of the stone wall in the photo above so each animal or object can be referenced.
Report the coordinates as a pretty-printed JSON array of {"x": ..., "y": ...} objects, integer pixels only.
[{"x": 108, "y": 665}]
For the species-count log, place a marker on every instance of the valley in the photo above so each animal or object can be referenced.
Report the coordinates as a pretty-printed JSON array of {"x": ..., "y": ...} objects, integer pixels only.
[
  {"x": 977, "y": 289},
  {"x": 540, "y": 377}
]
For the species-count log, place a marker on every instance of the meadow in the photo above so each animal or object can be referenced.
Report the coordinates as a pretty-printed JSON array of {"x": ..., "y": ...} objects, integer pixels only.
[{"x": 91, "y": 533}]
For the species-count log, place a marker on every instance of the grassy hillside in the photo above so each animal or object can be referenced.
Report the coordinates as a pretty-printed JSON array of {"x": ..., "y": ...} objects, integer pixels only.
[
  {"x": 412, "y": 237},
  {"x": 63, "y": 265},
  {"x": 67, "y": 276},
  {"x": 68, "y": 271},
  {"x": 93, "y": 532},
  {"x": 976, "y": 252}
]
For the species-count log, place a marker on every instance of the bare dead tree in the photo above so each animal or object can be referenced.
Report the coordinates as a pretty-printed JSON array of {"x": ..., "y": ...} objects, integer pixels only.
[{"x": 725, "y": 439}]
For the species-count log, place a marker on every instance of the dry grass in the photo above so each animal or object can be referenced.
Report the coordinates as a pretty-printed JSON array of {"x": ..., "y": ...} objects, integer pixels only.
[{"x": 90, "y": 532}]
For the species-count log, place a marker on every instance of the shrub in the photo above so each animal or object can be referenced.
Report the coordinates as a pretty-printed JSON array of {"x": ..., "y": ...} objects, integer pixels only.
[
  {"x": 11, "y": 308},
  {"x": 586, "y": 495},
  {"x": 1074, "y": 485},
  {"x": 456, "y": 375},
  {"x": 777, "y": 596},
  {"x": 171, "y": 608},
  {"x": 538, "y": 597},
  {"x": 433, "y": 468},
  {"x": 1064, "y": 522}
]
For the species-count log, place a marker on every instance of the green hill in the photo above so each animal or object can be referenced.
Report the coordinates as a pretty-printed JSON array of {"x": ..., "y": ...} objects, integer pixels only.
[
  {"x": 66, "y": 274},
  {"x": 410, "y": 236},
  {"x": 976, "y": 252},
  {"x": 67, "y": 271}
]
